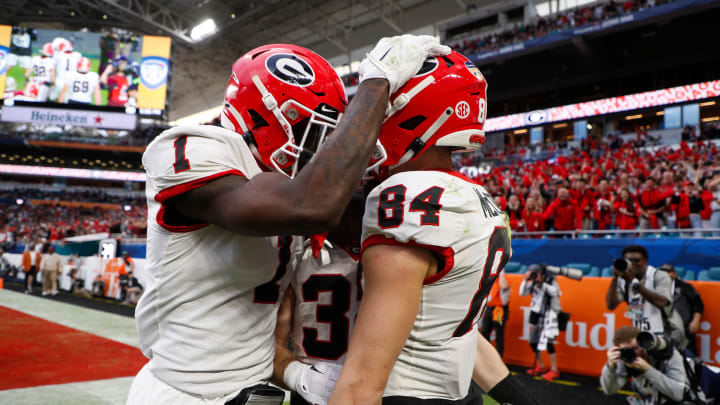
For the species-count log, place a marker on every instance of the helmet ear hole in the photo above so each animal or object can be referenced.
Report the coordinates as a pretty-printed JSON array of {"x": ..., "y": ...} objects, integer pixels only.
[
  {"x": 412, "y": 123},
  {"x": 258, "y": 120}
]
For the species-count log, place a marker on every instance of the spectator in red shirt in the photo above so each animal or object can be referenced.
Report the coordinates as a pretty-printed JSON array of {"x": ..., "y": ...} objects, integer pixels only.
[
  {"x": 585, "y": 199},
  {"x": 564, "y": 210},
  {"x": 604, "y": 205},
  {"x": 627, "y": 211},
  {"x": 652, "y": 204},
  {"x": 515, "y": 213},
  {"x": 533, "y": 216}
]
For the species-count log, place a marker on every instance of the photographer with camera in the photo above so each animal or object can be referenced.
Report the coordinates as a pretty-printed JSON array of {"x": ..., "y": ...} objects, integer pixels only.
[
  {"x": 648, "y": 294},
  {"x": 544, "y": 310},
  {"x": 656, "y": 368}
]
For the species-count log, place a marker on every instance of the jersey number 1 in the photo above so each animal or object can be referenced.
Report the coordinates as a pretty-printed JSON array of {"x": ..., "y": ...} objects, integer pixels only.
[{"x": 181, "y": 163}]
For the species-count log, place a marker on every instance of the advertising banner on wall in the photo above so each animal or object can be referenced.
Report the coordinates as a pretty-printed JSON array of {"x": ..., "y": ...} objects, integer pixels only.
[
  {"x": 582, "y": 348},
  {"x": 77, "y": 118}
]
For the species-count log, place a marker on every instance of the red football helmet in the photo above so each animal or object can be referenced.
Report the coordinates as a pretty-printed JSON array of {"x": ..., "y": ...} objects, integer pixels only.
[
  {"x": 46, "y": 49},
  {"x": 60, "y": 44},
  {"x": 283, "y": 99},
  {"x": 83, "y": 65},
  {"x": 443, "y": 105}
]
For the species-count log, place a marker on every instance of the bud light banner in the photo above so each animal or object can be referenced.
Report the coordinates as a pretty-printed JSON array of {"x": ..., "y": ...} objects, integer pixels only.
[
  {"x": 154, "y": 72},
  {"x": 582, "y": 347}
]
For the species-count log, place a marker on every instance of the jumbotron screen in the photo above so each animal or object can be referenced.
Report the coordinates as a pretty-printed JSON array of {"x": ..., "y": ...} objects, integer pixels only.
[{"x": 112, "y": 71}]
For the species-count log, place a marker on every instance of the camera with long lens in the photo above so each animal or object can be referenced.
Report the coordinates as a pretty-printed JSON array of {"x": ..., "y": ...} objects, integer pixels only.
[
  {"x": 655, "y": 345},
  {"x": 622, "y": 264},
  {"x": 628, "y": 354},
  {"x": 543, "y": 269}
]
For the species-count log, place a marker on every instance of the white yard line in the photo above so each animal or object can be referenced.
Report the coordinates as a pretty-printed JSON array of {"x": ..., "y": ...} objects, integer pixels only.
[{"x": 111, "y": 326}]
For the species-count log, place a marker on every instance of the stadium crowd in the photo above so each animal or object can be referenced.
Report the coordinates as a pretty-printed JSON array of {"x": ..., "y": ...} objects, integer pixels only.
[
  {"x": 542, "y": 26},
  {"x": 606, "y": 185},
  {"x": 33, "y": 214}
]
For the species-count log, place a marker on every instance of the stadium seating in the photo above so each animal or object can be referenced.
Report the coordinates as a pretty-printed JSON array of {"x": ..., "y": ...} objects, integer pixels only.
[
  {"x": 513, "y": 267},
  {"x": 713, "y": 274},
  {"x": 587, "y": 269}
]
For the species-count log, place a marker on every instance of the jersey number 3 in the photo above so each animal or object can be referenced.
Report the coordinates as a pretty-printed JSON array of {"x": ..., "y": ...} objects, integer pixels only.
[{"x": 333, "y": 314}]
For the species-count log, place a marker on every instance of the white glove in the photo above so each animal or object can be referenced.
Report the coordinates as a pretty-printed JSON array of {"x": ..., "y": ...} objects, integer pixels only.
[
  {"x": 313, "y": 382},
  {"x": 398, "y": 59}
]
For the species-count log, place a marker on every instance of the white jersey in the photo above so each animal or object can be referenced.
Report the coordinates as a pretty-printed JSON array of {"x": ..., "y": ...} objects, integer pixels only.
[
  {"x": 457, "y": 220},
  {"x": 208, "y": 315},
  {"x": 66, "y": 64},
  {"x": 81, "y": 86},
  {"x": 327, "y": 297},
  {"x": 42, "y": 68}
]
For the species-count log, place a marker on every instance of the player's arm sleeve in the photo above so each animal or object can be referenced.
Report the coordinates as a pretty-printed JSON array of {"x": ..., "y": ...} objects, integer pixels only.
[
  {"x": 180, "y": 163},
  {"x": 385, "y": 318}
]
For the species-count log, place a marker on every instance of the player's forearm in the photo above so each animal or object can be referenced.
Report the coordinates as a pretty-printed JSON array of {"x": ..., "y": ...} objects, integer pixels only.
[
  {"x": 328, "y": 180},
  {"x": 283, "y": 357},
  {"x": 489, "y": 368},
  {"x": 353, "y": 392}
]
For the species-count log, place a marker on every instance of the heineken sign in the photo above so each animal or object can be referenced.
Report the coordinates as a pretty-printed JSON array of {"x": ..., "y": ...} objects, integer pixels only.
[{"x": 80, "y": 118}]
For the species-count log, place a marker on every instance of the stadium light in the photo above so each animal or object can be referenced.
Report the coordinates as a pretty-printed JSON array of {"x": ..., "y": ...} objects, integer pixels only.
[{"x": 203, "y": 30}]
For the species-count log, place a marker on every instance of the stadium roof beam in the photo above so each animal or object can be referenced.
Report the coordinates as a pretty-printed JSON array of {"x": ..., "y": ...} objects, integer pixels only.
[
  {"x": 387, "y": 11},
  {"x": 324, "y": 25},
  {"x": 149, "y": 11}
]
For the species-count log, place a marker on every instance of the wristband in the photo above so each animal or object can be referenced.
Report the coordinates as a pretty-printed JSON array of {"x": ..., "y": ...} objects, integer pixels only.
[
  {"x": 510, "y": 391},
  {"x": 292, "y": 375}
]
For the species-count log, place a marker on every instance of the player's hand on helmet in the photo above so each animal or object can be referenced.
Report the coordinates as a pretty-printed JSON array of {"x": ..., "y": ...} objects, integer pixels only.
[
  {"x": 314, "y": 382},
  {"x": 398, "y": 59}
]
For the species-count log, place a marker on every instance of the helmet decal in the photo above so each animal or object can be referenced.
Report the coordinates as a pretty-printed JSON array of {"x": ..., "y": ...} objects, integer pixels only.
[
  {"x": 428, "y": 66},
  {"x": 474, "y": 70},
  {"x": 462, "y": 109},
  {"x": 290, "y": 69}
]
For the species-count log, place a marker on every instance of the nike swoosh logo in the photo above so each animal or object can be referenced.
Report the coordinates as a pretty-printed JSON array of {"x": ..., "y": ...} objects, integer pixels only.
[
  {"x": 315, "y": 370},
  {"x": 385, "y": 54}
]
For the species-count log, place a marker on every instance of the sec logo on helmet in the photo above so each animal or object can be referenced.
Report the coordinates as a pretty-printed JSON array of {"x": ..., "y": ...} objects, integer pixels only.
[
  {"x": 3, "y": 59},
  {"x": 290, "y": 69},
  {"x": 462, "y": 109},
  {"x": 153, "y": 71}
]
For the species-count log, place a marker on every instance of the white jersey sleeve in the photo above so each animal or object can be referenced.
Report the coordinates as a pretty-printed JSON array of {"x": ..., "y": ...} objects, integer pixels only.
[
  {"x": 185, "y": 158},
  {"x": 327, "y": 297},
  {"x": 207, "y": 317},
  {"x": 456, "y": 219}
]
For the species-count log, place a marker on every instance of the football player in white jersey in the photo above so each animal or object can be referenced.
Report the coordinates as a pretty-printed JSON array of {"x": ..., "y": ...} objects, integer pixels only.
[
  {"x": 321, "y": 304},
  {"x": 217, "y": 198},
  {"x": 42, "y": 72},
  {"x": 82, "y": 86},
  {"x": 433, "y": 244},
  {"x": 66, "y": 62}
]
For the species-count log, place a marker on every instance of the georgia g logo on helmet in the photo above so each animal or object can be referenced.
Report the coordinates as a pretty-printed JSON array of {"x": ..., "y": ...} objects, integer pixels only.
[{"x": 290, "y": 69}]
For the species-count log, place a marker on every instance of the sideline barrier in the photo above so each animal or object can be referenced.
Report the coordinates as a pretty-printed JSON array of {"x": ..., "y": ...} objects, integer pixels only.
[
  {"x": 692, "y": 254},
  {"x": 582, "y": 349}
]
